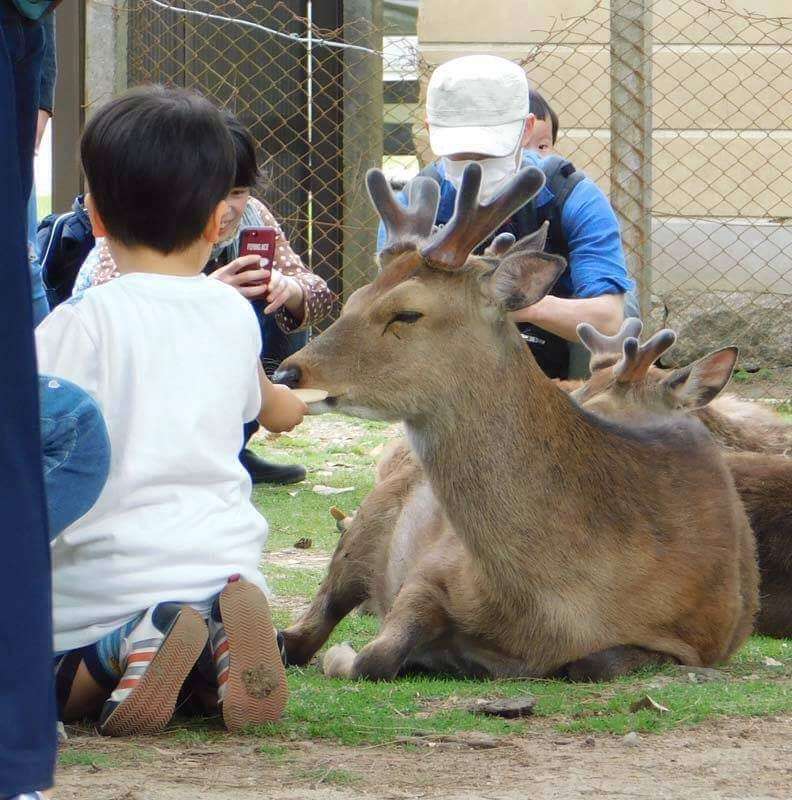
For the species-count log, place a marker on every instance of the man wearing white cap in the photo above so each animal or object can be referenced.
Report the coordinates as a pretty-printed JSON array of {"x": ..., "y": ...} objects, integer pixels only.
[{"x": 477, "y": 109}]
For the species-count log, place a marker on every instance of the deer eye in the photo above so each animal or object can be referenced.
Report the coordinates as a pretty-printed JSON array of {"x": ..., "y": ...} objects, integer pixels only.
[
  {"x": 407, "y": 317},
  {"x": 410, "y": 317}
]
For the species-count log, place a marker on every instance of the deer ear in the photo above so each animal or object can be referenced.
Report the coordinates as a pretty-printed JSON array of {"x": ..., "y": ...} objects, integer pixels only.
[
  {"x": 697, "y": 384},
  {"x": 534, "y": 242},
  {"x": 523, "y": 278}
]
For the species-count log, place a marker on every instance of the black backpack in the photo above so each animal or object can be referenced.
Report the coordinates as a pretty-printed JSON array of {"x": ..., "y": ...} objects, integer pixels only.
[{"x": 63, "y": 242}]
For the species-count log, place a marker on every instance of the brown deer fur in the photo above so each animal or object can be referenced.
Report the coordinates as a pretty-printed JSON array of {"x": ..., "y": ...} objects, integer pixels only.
[
  {"x": 764, "y": 483},
  {"x": 558, "y": 537},
  {"x": 763, "y": 479}
]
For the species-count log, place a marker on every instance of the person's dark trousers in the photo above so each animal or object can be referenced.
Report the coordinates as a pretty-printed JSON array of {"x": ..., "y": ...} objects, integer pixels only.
[
  {"x": 27, "y": 701},
  {"x": 276, "y": 345}
]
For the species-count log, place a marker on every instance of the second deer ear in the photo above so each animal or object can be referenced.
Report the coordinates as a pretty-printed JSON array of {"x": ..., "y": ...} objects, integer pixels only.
[
  {"x": 523, "y": 278},
  {"x": 702, "y": 381}
]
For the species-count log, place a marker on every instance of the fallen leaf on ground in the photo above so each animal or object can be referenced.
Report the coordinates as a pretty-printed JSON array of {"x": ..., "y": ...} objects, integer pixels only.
[
  {"x": 320, "y": 489},
  {"x": 649, "y": 704},
  {"x": 771, "y": 662}
]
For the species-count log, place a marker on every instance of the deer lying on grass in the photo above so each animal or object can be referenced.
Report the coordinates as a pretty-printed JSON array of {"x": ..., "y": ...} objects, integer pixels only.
[
  {"x": 562, "y": 543},
  {"x": 624, "y": 382},
  {"x": 763, "y": 480}
]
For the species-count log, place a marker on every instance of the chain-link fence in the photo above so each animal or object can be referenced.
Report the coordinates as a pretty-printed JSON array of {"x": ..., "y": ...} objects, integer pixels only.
[
  {"x": 680, "y": 109},
  {"x": 321, "y": 114}
]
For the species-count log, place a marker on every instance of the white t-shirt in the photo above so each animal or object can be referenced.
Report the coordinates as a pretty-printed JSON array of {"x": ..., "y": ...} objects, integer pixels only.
[{"x": 172, "y": 363}]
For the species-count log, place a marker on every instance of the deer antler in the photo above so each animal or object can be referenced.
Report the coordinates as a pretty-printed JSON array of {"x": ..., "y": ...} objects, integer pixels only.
[
  {"x": 500, "y": 245},
  {"x": 413, "y": 223},
  {"x": 472, "y": 222},
  {"x": 607, "y": 350},
  {"x": 637, "y": 358}
]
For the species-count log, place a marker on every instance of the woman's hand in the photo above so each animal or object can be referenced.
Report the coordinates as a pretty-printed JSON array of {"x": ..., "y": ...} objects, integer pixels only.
[
  {"x": 283, "y": 290},
  {"x": 246, "y": 275}
]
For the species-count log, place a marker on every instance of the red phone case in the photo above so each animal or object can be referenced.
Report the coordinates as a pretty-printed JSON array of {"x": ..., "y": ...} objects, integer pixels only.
[{"x": 258, "y": 242}]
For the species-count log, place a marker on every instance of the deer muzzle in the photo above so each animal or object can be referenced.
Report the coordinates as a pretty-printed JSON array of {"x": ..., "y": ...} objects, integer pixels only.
[{"x": 290, "y": 376}]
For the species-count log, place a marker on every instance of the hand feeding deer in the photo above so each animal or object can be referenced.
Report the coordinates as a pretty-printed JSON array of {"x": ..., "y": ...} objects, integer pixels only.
[
  {"x": 624, "y": 382},
  {"x": 564, "y": 544}
]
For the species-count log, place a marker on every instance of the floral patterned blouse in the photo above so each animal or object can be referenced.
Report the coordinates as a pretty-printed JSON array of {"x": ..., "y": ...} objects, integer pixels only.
[{"x": 317, "y": 297}]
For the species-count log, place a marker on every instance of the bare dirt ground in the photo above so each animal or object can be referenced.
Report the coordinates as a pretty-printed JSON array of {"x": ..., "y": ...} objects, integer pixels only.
[{"x": 740, "y": 759}]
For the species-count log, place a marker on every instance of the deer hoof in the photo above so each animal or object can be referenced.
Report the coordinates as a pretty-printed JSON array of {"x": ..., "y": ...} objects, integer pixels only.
[{"x": 338, "y": 661}]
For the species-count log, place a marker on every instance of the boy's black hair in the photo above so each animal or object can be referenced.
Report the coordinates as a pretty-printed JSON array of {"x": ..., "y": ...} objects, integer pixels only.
[
  {"x": 157, "y": 162},
  {"x": 542, "y": 110},
  {"x": 247, "y": 169}
]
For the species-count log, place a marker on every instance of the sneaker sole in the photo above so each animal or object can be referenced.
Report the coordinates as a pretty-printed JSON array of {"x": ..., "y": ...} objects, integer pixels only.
[
  {"x": 149, "y": 708},
  {"x": 256, "y": 690}
]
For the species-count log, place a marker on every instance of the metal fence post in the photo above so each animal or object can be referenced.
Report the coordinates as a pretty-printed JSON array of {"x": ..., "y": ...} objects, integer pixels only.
[
  {"x": 363, "y": 138},
  {"x": 631, "y": 136}
]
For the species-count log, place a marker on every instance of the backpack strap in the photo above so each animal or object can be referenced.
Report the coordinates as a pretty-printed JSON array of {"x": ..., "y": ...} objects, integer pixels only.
[
  {"x": 562, "y": 177},
  {"x": 54, "y": 233}
]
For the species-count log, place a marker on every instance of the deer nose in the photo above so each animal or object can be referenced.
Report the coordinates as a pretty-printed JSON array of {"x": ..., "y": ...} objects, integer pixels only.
[{"x": 290, "y": 376}]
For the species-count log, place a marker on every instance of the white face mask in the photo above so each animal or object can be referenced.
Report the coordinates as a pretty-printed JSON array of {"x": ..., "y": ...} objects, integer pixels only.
[{"x": 495, "y": 173}]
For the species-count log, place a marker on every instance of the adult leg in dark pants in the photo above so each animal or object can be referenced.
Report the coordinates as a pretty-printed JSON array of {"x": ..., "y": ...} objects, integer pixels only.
[
  {"x": 27, "y": 701},
  {"x": 276, "y": 345}
]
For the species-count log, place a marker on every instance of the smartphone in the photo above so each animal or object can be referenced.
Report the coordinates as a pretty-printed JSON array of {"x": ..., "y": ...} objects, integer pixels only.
[{"x": 258, "y": 242}]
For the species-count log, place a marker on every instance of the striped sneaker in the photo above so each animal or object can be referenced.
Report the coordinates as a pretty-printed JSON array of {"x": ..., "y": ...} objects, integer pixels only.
[
  {"x": 157, "y": 657},
  {"x": 251, "y": 680}
]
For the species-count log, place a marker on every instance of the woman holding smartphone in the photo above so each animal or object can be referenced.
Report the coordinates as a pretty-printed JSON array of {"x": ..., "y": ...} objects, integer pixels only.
[{"x": 287, "y": 297}]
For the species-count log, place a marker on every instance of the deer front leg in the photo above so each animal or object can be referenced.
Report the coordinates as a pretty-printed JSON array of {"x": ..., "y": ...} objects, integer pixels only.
[
  {"x": 337, "y": 596},
  {"x": 416, "y": 619},
  {"x": 345, "y": 586}
]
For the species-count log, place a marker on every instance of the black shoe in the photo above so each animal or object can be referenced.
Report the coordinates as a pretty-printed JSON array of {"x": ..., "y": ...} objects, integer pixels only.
[{"x": 262, "y": 471}]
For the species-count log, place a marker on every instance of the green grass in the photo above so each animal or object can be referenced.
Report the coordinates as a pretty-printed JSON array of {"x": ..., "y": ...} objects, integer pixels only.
[
  {"x": 84, "y": 758},
  {"x": 355, "y": 713},
  {"x": 297, "y": 511},
  {"x": 288, "y": 582},
  {"x": 762, "y": 374},
  {"x": 332, "y": 776}
]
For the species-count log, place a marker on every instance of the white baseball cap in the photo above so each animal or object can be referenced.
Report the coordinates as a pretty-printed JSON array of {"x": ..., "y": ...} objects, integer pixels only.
[{"x": 476, "y": 104}]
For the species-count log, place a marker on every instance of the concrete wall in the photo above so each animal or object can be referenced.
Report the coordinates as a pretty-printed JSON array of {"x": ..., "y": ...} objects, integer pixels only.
[{"x": 722, "y": 106}]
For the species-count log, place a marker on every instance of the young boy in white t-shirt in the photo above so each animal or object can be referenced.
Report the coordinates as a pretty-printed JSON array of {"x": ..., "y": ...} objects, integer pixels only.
[{"x": 172, "y": 359}]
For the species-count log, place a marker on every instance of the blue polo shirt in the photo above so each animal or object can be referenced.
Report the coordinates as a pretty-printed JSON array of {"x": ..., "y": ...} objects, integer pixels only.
[{"x": 596, "y": 258}]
